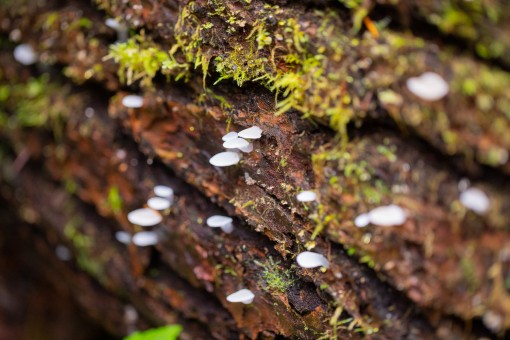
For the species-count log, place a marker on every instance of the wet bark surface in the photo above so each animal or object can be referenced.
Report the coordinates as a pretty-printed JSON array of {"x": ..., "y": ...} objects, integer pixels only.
[{"x": 75, "y": 161}]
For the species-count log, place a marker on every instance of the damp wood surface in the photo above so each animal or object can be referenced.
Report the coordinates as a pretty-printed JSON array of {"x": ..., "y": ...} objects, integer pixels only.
[{"x": 326, "y": 83}]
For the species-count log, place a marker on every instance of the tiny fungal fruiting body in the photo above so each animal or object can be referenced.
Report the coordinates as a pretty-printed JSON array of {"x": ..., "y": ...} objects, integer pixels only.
[
  {"x": 247, "y": 149},
  {"x": 223, "y": 222},
  {"x": 306, "y": 196},
  {"x": 144, "y": 217},
  {"x": 158, "y": 203},
  {"x": 476, "y": 200},
  {"x": 388, "y": 215},
  {"x": 245, "y": 296},
  {"x": 123, "y": 237},
  {"x": 229, "y": 136},
  {"x": 132, "y": 101},
  {"x": 25, "y": 54},
  {"x": 429, "y": 86},
  {"x": 145, "y": 238},
  {"x": 226, "y": 158},
  {"x": 63, "y": 253},
  {"x": 253, "y": 132},
  {"x": 121, "y": 29},
  {"x": 164, "y": 192},
  {"x": 308, "y": 259},
  {"x": 236, "y": 143},
  {"x": 362, "y": 220}
]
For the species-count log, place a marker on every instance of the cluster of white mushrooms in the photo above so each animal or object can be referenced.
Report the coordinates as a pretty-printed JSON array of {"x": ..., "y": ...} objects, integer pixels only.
[
  {"x": 235, "y": 142},
  {"x": 148, "y": 217}
]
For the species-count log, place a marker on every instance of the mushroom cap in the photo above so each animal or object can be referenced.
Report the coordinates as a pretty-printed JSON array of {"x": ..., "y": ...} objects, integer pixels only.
[
  {"x": 163, "y": 191},
  {"x": 429, "y": 86},
  {"x": 236, "y": 143},
  {"x": 476, "y": 200},
  {"x": 63, "y": 253},
  {"x": 306, "y": 196},
  {"x": 113, "y": 23},
  {"x": 244, "y": 295},
  {"x": 123, "y": 237},
  {"x": 145, "y": 238},
  {"x": 25, "y": 54},
  {"x": 133, "y": 101},
  {"x": 144, "y": 217},
  {"x": 362, "y": 220},
  {"x": 226, "y": 158},
  {"x": 253, "y": 132},
  {"x": 218, "y": 221},
  {"x": 158, "y": 203},
  {"x": 247, "y": 149},
  {"x": 309, "y": 259},
  {"x": 389, "y": 215},
  {"x": 229, "y": 136}
]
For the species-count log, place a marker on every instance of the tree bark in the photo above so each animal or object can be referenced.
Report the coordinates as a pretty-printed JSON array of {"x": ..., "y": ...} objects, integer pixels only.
[{"x": 75, "y": 161}]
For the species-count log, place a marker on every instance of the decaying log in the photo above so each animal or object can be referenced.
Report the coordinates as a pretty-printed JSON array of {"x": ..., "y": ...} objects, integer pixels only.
[{"x": 75, "y": 161}]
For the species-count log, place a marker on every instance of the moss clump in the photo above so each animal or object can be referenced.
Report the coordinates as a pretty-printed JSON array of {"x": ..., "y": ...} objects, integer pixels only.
[{"x": 275, "y": 278}]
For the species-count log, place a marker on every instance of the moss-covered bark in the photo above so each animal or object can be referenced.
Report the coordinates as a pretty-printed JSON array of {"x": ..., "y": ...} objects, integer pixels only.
[{"x": 336, "y": 117}]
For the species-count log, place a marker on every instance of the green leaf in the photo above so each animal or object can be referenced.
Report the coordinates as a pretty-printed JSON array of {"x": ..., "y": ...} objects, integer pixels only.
[{"x": 170, "y": 332}]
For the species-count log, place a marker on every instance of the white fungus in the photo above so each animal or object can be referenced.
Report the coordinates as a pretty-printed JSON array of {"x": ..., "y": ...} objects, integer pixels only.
[
  {"x": 226, "y": 158},
  {"x": 251, "y": 133},
  {"x": 236, "y": 143},
  {"x": 164, "y": 191},
  {"x": 121, "y": 29},
  {"x": 123, "y": 237},
  {"x": 306, "y": 196},
  {"x": 309, "y": 259},
  {"x": 244, "y": 296},
  {"x": 389, "y": 215},
  {"x": 362, "y": 220},
  {"x": 229, "y": 136},
  {"x": 145, "y": 238},
  {"x": 25, "y": 54},
  {"x": 476, "y": 200},
  {"x": 247, "y": 149},
  {"x": 429, "y": 86},
  {"x": 132, "y": 101},
  {"x": 158, "y": 203},
  {"x": 144, "y": 217},
  {"x": 63, "y": 253},
  {"x": 223, "y": 222}
]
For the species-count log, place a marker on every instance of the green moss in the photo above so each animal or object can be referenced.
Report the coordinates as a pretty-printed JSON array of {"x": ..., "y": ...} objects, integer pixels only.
[
  {"x": 275, "y": 277},
  {"x": 38, "y": 103},
  {"x": 114, "y": 200}
]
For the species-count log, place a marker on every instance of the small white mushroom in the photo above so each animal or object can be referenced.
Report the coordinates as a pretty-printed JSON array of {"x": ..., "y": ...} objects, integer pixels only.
[
  {"x": 476, "y": 200},
  {"x": 164, "y": 191},
  {"x": 251, "y": 133},
  {"x": 123, "y": 237},
  {"x": 158, "y": 203},
  {"x": 362, "y": 220},
  {"x": 389, "y": 215},
  {"x": 132, "y": 101},
  {"x": 223, "y": 222},
  {"x": 121, "y": 29},
  {"x": 25, "y": 54},
  {"x": 236, "y": 143},
  {"x": 63, "y": 253},
  {"x": 226, "y": 158},
  {"x": 309, "y": 259},
  {"x": 493, "y": 321},
  {"x": 429, "y": 86},
  {"x": 245, "y": 296},
  {"x": 229, "y": 136},
  {"x": 306, "y": 196},
  {"x": 145, "y": 238},
  {"x": 144, "y": 217},
  {"x": 247, "y": 149}
]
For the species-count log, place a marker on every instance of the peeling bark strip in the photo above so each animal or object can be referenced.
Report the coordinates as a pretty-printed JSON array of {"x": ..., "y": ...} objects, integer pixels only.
[{"x": 75, "y": 161}]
